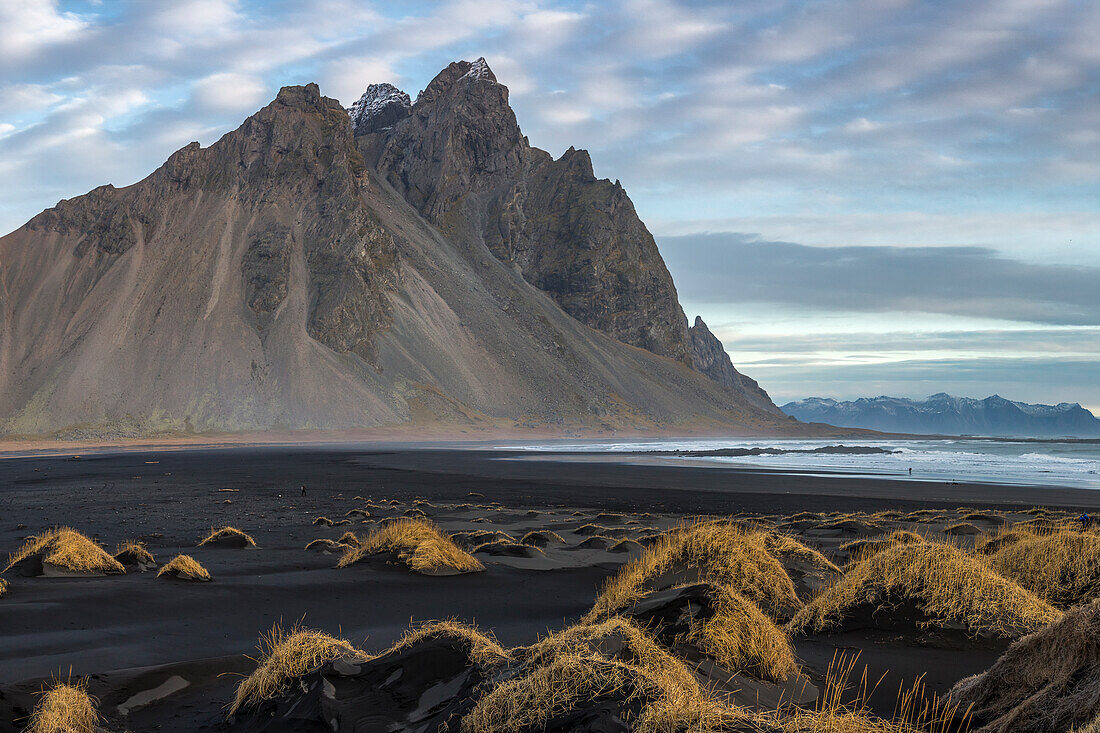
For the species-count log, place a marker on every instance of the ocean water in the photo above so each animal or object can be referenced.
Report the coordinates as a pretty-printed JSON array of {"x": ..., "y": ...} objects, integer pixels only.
[{"x": 1045, "y": 463}]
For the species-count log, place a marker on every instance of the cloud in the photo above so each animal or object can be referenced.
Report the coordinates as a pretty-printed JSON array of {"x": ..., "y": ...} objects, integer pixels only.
[
  {"x": 971, "y": 281},
  {"x": 230, "y": 92},
  {"x": 888, "y": 124}
]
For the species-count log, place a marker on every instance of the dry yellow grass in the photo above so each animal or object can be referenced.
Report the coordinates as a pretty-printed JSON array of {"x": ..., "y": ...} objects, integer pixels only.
[
  {"x": 1047, "y": 681},
  {"x": 67, "y": 549},
  {"x": 326, "y": 546},
  {"x": 230, "y": 536},
  {"x": 185, "y": 567},
  {"x": 3, "y": 587},
  {"x": 867, "y": 548},
  {"x": 570, "y": 669},
  {"x": 284, "y": 657},
  {"x": 541, "y": 537},
  {"x": 349, "y": 539},
  {"x": 787, "y": 549},
  {"x": 64, "y": 708},
  {"x": 742, "y": 639},
  {"x": 941, "y": 581},
  {"x": 485, "y": 651},
  {"x": 712, "y": 552},
  {"x": 842, "y": 708},
  {"x": 419, "y": 544},
  {"x": 990, "y": 543},
  {"x": 134, "y": 553},
  {"x": 1062, "y": 567}
]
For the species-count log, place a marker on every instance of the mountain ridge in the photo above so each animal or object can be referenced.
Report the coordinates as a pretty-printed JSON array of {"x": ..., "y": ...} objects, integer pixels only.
[
  {"x": 279, "y": 279},
  {"x": 943, "y": 414}
]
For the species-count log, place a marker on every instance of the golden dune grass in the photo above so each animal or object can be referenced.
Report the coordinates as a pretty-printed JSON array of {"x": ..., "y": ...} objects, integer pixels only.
[
  {"x": 485, "y": 651},
  {"x": 284, "y": 657},
  {"x": 867, "y": 548},
  {"x": 569, "y": 670},
  {"x": 66, "y": 548},
  {"x": 418, "y": 543},
  {"x": 185, "y": 567},
  {"x": 349, "y": 539},
  {"x": 136, "y": 552},
  {"x": 1047, "y": 681},
  {"x": 988, "y": 544},
  {"x": 64, "y": 708},
  {"x": 742, "y": 639},
  {"x": 323, "y": 521},
  {"x": 946, "y": 584},
  {"x": 542, "y": 536},
  {"x": 328, "y": 545},
  {"x": 713, "y": 552},
  {"x": 3, "y": 587},
  {"x": 842, "y": 708},
  {"x": 228, "y": 535},
  {"x": 787, "y": 548},
  {"x": 1062, "y": 567}
]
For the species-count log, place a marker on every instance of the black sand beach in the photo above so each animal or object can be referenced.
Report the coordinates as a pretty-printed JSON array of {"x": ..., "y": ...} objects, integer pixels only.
[{"x": 171, "y": 498}]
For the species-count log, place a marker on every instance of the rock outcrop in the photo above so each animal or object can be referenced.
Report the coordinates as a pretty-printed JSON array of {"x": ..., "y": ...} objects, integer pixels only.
[
  {"x": 461, "y": 160},
  {"x": 709, "y": 357},
  {"x": 407, "y": 264}
]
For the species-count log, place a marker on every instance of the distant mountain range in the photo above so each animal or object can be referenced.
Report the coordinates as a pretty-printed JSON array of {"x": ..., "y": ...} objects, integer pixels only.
[{"x": 943, "y": 414}]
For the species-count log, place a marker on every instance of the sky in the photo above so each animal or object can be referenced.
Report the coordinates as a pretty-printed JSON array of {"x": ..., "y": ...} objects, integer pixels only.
[{"x": 860, "y": 197}]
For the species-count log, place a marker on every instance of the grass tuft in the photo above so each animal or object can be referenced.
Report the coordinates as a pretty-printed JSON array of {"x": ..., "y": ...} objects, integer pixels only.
[
  {"x": 284, "y": 657},
  {"x": 1062, "y": 567},
  {"x": 228, "y": 536},
  {"x": 786, "y": 549},
  {"x": 68, "y": 549},
  {"x": 134, "y": 553},
  {"x": 485, "y": 651},
  {"x": 419, "y": 544},
  {"x": 185, "y": 567},
  {"x": 612, "y": 662},
  {"x": 742, "y": 639},
  {"x": 64, "y": 708},
  {"x": 942, "y": 582},
  {"x": 712, "y": 552}
]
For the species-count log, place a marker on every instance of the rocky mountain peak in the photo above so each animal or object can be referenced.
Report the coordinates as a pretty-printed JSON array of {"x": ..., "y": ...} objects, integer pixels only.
[
  {"x": 710, "y": 357},
  {"x": 480, "y": 70},
  {"x": 380, "y": 107},
  {"x": 318, "y": 269},
  {"x": 466, "y": 76}
]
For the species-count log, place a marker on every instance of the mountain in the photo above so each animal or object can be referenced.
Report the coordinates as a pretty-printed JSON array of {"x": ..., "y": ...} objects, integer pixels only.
[
  {"x": 943, "y": 414},
  {"x": 407, "y": 263}
]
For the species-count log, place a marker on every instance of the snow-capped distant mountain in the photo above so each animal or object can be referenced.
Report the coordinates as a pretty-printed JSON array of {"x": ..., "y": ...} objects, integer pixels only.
[{"x": 943, "y": 414}]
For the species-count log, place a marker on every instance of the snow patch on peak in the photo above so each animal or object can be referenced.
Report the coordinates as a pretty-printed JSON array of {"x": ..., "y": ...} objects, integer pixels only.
[
  {"x": 380, "y": 106},
  {"x": 480, "y": 70}
]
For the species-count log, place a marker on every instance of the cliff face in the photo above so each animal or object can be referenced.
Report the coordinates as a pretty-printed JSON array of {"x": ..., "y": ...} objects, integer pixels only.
[
  {"x": 460, "y": 159},
  {"x": 711, "y": 359},
  {"x": 432, "y": 269}
]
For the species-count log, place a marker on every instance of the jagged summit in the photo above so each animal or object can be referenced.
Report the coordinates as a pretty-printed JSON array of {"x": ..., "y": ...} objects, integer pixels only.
[
  {"x": 380, "y": 107},
  {"x": 318, "y": 269},
  {"x": 480, "y": 70}
]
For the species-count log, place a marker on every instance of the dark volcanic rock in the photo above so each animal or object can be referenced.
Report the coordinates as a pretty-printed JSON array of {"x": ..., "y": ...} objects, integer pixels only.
[
  {"x": 381, "y": 106},
  {"x": 709, "y": 357},
  {"x": 461, "y": 160}
]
